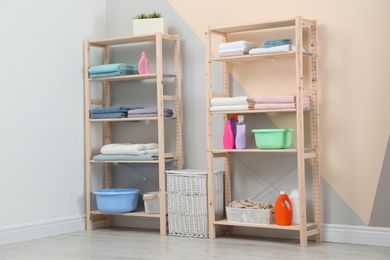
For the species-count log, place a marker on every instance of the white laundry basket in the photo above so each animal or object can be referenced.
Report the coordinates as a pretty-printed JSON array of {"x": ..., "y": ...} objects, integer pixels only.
[{"x": 187, "y": 201}]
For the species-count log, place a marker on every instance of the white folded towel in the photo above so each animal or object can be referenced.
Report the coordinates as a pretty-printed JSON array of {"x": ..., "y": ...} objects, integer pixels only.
[
  {"x": 223, "y": 101},
  {"x": 231, "y": 108},
  {"x": 245, "y": 49},
  {"x": 236, "y": 44},
  {"x": 126, "y": 148}
]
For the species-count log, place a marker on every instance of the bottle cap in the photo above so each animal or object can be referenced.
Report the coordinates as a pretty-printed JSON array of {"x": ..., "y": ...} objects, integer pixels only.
[{"x": 282, "y": 192}]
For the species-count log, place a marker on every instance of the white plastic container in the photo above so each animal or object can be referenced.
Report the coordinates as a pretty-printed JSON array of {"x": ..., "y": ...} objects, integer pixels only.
[
  {"x": 294, "y": 197},
  {"x": 152, "y": 202}
]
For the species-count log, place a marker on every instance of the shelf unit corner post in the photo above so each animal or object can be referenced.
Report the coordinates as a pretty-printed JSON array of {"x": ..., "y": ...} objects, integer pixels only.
[{"x": 87, "y": 137}]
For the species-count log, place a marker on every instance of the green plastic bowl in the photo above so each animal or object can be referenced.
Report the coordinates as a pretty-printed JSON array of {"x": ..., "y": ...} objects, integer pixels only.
[{"x": 273, "y": 138}]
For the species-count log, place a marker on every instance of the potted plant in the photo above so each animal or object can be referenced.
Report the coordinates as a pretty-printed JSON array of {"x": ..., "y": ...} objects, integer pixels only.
[{"x": 144, "y": 23}]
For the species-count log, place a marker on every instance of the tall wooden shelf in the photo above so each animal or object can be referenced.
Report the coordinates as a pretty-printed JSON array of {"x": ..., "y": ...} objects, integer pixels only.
[
  {"x": 297, "y": 24},
  {"x": 158, "y": 76}
]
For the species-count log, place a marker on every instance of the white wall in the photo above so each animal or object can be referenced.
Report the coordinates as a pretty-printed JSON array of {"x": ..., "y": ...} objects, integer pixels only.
[{"x": 41, "y": 140}]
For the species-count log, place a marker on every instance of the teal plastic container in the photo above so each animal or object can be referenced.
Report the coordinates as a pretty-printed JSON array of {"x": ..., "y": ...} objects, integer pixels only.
[{"x": 273, "y": 138}]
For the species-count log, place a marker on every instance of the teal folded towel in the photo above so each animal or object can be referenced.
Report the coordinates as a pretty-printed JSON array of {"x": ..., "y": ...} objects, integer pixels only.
[
  {"x": 276, "y": 42},
  {"x": 111, "y": 74},
  {"x": 115, "y": 67}
]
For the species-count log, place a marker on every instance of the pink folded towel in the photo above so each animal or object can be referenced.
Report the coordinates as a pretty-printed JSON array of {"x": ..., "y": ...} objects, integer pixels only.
[
  {"x": 275, "y": 99},
  {"x": 279, "y": 105}
]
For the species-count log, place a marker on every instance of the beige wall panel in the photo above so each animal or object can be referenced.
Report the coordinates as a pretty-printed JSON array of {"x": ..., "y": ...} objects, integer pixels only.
[{"x": 354, "y": 64}]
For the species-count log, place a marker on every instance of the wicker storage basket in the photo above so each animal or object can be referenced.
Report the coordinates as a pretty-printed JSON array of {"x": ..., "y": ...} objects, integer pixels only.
[{"x": 187, "y": 201}]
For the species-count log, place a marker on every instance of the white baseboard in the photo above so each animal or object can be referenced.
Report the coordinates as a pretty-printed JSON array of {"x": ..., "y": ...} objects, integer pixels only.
[
  {"x": 362, "y": 235},
  {"x": 41, "y": 229},
  {"x": 334, "y": 233}
]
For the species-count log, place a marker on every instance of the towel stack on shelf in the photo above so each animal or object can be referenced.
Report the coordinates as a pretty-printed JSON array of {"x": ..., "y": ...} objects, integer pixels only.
[
  {"x": 231, "y": 103},
  {"x": 128, "y": 151},
  {"x": 235, "y": 48},
  {"x": 274, "y": 45},
  {"x": 148, "y": 112},
  {"x": 111, "y": 112},
  {"x": 279, "y": 102},
  {"x": 111, "y": 70}
]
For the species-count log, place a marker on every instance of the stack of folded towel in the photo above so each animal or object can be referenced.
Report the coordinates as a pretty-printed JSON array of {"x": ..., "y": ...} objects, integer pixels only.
[
  {"x": 111, "y": 112},
  {"x": 111, "y": 70},
  {"x": 148, "y": 112},
  {"x": 231, "y": 103},
  {"x": 128, "y": 151},
  {"x": 235, "y": 48},
  {"x": 275, "y": 45},
  {"x": 279, "y": 102}
]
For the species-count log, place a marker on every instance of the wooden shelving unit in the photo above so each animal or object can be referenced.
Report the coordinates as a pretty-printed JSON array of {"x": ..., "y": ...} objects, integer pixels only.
[
  {"x": 158, "y": 77},
  {"x": 297, "y": 24}
]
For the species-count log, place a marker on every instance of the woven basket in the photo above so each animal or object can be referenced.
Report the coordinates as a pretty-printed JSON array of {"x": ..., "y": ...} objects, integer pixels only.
[{"x": 187, "y": 202}]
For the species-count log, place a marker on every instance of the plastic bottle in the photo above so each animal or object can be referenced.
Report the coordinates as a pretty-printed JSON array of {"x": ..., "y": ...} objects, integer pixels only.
[
  {"x": 294, "y": 197},
  {"x": 283, "y": 210},
  {"x": 228, "y": 137},
  {"x": 233, "y": 123},
  {"x": 144, "y": 64},
  {"x": 240, "y": 133}
]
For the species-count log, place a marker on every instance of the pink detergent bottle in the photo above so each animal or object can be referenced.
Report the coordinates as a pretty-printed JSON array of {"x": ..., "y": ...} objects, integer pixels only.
[
  {"x": 228, "y": 136},
  {"x": 144, "y": 65}
]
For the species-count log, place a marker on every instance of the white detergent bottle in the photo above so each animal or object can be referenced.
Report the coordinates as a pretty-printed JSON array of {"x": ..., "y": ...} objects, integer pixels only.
[{"x": 294, "y": 197}]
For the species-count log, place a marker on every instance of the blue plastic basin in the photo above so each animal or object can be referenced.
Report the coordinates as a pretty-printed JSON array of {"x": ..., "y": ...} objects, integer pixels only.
[{"x": 117, "y": 200}]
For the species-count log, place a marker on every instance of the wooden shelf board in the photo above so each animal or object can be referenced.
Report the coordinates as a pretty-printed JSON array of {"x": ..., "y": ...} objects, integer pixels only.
[
  {"x": 131, "y": 77},
  {"x": 260, "y": 26},
  {"x": 130, "y": 39},
  {"x": 128, "y": 214},
  {"x": 225, "y": 222}
]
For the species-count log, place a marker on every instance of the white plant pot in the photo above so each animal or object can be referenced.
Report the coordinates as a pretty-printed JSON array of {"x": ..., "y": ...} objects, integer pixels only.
[{"x": 147, "y": 26}]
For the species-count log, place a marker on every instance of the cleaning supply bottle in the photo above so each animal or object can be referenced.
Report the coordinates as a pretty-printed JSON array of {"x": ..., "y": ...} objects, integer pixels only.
[
  {"x": 233, "y": 123},
  {"x": 228, "y": 136},
  {"x": 294, "y": 197},
  {"x": 144, "y": 64},
  {"x": 283, "y": 210},
  {"x": 240, "y": 133}
]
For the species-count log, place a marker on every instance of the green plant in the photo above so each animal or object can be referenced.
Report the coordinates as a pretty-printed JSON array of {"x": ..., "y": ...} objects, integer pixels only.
[{"x": 154, "y": 14}]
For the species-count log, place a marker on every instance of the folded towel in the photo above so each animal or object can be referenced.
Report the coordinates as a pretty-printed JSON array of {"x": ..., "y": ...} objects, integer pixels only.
[
  {"x": 274, "y": 98},
  {"x": 250, "y": 204},
  {"x": 233, "y": 53},
  {"x": 231, "y": 108},
  {"x": 150, "y": 110},
  {"x": 245, "y": 49},
  {"x": 127, "y": 148},
  {"x": 110, "y": 68},
  {"x": 166, "y": 114},
  {"x": 109, "y": 115},
  {"x": 282, "y": 48},
  {"x": 111, "y": 74},
  {"x": 113, "y": 109},
  {"x": 223, "y": 101},
  {"x": 276, "y": 42},
  {"x": 261, "y": 106},
  {"x": 274, "y": 106},
  {"x": 237, "y": 44},
  {"x": 125, "y": 157}
]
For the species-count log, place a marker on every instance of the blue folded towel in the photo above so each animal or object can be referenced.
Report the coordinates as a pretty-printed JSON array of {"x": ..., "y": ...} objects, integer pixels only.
[
  {"x": 276, "y": 42},
  {"x": 109, "y": 115},
  {"x": 115, "y": 67},
  {"x": 113, "y": 109}
]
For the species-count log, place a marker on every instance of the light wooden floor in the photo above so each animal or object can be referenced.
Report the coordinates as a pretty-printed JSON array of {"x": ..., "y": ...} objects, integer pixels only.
[{"x": 144, "y": 244}]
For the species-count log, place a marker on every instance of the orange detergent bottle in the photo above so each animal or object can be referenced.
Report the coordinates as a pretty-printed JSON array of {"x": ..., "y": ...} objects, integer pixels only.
[{"x": 283, "y": 210}]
